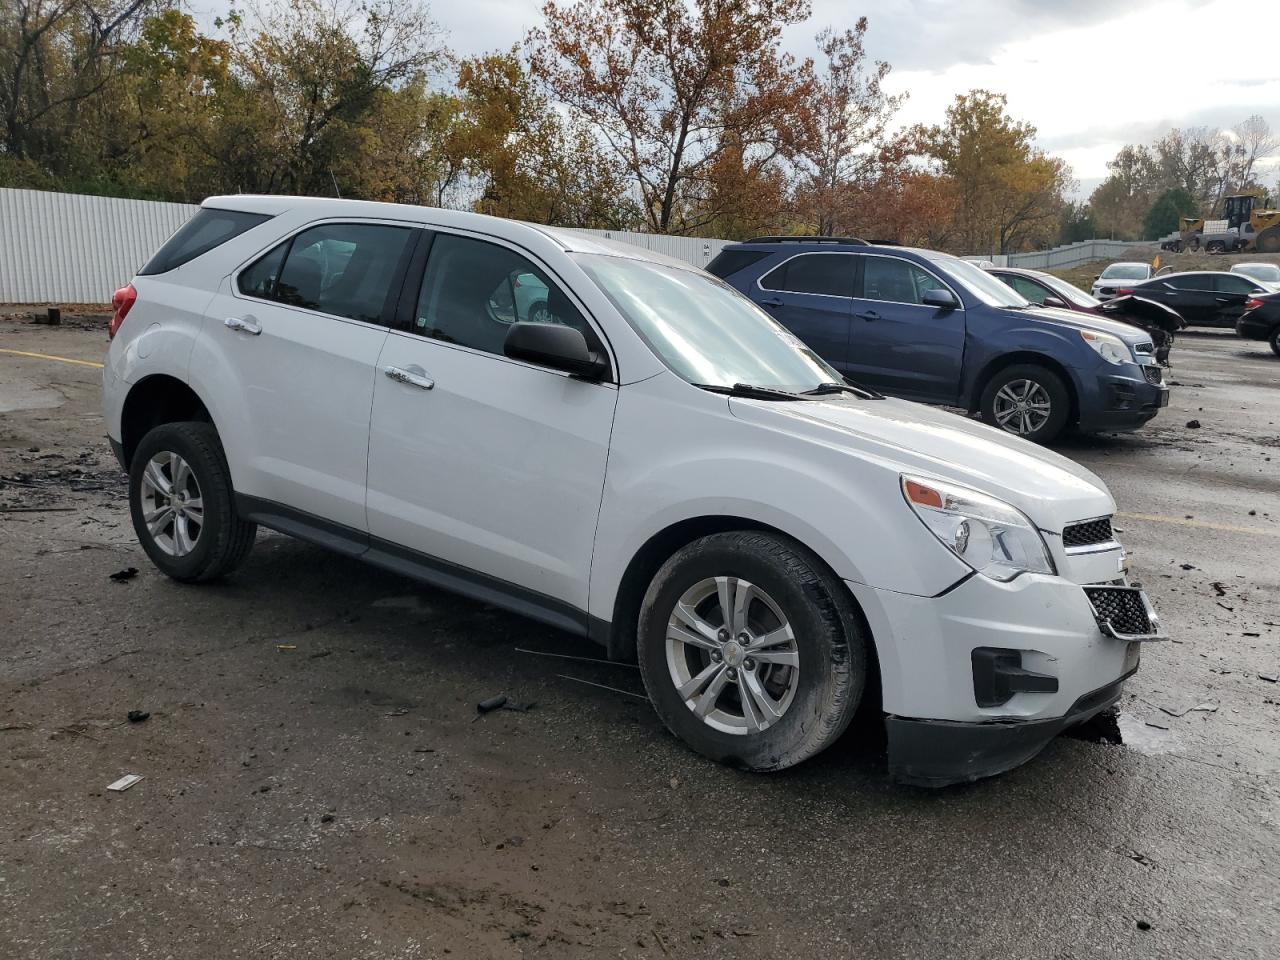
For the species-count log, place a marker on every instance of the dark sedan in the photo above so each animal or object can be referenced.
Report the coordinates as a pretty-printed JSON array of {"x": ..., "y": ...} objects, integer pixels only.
[
  {"x": 1261, "y": 320},
  {"x": 1209, "y": 298},
  {"x": 1046, "y": 290}
]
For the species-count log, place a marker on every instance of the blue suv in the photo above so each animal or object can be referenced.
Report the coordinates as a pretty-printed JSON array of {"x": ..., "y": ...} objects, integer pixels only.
[{"x": 929, "y": 326}]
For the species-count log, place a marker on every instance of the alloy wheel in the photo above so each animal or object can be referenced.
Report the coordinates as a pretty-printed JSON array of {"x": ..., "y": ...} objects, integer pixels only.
[
  {"x": 1022, "y": 406},
  {"x": 172, "y": 505},
  {"x": 732, "y": 655}
]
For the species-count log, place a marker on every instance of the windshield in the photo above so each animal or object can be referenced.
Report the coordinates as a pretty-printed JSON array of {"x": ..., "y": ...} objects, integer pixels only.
[
  {"x": 703, "y": 329},
  {"x": 1068, "y": 290},
  {"x": 992, "y": 291},
  {"x": 1267, "y": 272},
  {"x": 1125, "y": 271}
]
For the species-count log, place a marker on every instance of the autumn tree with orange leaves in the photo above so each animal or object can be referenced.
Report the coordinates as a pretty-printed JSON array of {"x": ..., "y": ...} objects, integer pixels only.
[{"x": 695, "y": 99}]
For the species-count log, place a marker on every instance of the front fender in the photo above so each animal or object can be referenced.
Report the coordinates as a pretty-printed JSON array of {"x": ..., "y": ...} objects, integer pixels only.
[
  {"x": 679, "y": 454},
  {"x": 1058, "y": 348}
]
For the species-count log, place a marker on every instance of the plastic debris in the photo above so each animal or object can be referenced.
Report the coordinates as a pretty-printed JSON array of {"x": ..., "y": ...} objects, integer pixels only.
[
  {"x": 120, "y": 576},
  {"x": 138, "y": 716},
  {"x": 124, "y": 783}
]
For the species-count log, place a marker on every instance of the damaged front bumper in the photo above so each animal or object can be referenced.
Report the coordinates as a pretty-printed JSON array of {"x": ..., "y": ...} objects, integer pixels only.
[{"x": 979, "y": 679}]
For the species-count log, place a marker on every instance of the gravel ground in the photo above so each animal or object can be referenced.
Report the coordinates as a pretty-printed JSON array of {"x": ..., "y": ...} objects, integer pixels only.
[{"x": 317, "y": 783}]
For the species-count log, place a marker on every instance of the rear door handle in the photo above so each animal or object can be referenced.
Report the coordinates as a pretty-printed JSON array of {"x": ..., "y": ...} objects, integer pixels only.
[
  {"x": 771, "y": 302},
  {"x": 869, "y": 315},
  {"x": 243, "y": 325},
  {"x": 413, "y": 376}
]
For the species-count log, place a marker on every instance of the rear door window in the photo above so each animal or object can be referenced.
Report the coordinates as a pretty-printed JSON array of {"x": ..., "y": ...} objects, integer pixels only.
[
  {"x": 823, "y": 274},
  {"x": 1231, "y": 283},
  {"x": 209, "y": 228},
  {"x": 343, "y": 269}
]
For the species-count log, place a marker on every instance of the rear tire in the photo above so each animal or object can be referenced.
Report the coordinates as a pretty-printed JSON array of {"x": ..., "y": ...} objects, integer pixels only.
[
  {"x": 183, "y": 504},
  {"x": 1027, "y": 400},
  {"x": 1215, "y": 246},
  {"x": 776, "y": 681}
]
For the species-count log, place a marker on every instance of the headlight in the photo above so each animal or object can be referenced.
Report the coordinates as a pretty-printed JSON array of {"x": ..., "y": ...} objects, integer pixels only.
[
  {"x": 991, "y": 536},
  {"x": 1109, "y": 348}
]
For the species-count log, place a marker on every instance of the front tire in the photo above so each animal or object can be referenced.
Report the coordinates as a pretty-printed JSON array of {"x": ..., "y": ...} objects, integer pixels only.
[
  {"x": 1275, "y": 341},
  {"x": 1027, "y": 400},
  {"x": 752, "y": 652},
  {"x": 183, "y": 504}
]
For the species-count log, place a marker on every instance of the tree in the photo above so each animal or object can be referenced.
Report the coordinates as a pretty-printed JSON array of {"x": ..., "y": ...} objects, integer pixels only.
[
  {"x": 55, "y": 55},
  {"x": 849, "y": 147},
  {"x": 1165, "y": 215},
  {"x": 1077, "y": 223},
  {"x": 309, "y": 73},
  {"x": 673, "y": 86},
  {"x": 1008, "y": 191}
]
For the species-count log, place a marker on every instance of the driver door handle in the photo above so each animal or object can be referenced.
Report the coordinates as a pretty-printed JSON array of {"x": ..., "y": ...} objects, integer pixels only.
[
  {"x": 869, "y": 315},
  {"x": 413, "y": 376},
  {"x": 771, "y": 302},
  {"x": 243, "y": 325}
]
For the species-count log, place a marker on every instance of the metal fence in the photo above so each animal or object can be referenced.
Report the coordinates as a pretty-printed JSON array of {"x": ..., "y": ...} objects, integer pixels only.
[
  {"x": 72, "y": 248},
  {"x": 1075, "y": 254}
]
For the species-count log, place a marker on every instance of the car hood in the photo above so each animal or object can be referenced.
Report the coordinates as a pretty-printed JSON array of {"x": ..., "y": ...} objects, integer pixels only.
[
  {"x": 1090, "y": 321},
  {"x": 911, "y": 437},
  {"x": 1157, "y": 314}
]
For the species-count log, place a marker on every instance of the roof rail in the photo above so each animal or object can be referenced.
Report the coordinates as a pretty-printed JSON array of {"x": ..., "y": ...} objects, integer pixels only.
[{"x": 856, "y": 240}]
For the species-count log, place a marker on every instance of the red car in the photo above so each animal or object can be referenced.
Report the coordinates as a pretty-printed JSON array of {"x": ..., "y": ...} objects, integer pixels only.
[{"x": 1046, "y": 290}]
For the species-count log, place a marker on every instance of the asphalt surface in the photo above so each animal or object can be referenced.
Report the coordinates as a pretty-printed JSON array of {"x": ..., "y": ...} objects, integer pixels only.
[{"x": 317, "y": 783}]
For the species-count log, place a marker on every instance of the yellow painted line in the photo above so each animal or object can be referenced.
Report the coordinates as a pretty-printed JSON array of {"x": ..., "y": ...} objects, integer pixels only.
[
  {"x": 1202, "y": 524},
  {"x": 49, "y": 356}
]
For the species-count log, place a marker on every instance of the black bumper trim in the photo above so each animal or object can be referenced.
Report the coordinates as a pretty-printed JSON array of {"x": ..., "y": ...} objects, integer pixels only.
[{"x": 939, "y": 753}]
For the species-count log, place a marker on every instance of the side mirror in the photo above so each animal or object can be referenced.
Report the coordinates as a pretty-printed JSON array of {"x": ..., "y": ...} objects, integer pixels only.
[
  {"x": 1052, "y": 301},
  {"x": 1098, "y": 277},
  {"x": 942, "y": 299},
  {"x": 556, "y": 346}
]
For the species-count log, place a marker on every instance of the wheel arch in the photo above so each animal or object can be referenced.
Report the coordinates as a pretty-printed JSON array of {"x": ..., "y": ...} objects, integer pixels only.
[
  {"x": 159, "y": 398},
  {"x": 619, "y": 635},
  {"x": 1017, "y": 358}
]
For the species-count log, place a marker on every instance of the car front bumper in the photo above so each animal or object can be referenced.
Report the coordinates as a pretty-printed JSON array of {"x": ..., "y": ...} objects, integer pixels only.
[
  {"x": 945, "y": 722},
  {"x": 1123, "y": 400}
]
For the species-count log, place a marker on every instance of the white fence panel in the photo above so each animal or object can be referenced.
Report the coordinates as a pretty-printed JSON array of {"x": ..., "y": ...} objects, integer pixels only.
[
  {"x": 72, "y": 248},
  {"x": 1086, "y": 251}
]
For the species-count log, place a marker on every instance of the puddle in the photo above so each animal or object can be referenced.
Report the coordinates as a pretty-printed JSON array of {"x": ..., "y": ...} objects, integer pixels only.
[{"x": 1127, "y": 730}]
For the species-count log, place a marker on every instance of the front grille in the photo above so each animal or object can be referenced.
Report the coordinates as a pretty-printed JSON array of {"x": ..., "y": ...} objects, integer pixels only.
[
  {"x": 1153, "y": 374},
  {"x": 1121, "y": 609},
  {"x": 1088, "y": 534}
]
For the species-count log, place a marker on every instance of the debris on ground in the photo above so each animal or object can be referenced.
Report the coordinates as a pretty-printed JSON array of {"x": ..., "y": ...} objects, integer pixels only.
[
  {"x": 1269, "y": 677},
  {"x": 1193, "y": 424},
  {"x": 1143, "y": 925},
  {"x": 286, "y": 647},
  {"x": 120, "y": 576},
  {"x": 1218, "y": 588},
  {"x": 124, "y": 783},
  {"x": 1188, "y": 566},
  {"x": 138, "y": 716},
  {"x": 493, "y": 703}
]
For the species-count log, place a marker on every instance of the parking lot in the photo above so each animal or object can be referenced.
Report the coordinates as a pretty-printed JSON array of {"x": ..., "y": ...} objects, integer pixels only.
[{"x": 318, "y": 783}]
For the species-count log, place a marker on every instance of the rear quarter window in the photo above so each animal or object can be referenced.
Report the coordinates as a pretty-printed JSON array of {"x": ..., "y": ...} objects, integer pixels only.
[
  {"x": 728, "y": 262},
  {"x": 209, "y": 228}
]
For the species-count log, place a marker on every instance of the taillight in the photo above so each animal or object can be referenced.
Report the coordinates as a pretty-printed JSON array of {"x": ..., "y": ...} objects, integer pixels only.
[
  {"x": 1253, "y": 303},
  {"x": 1124, "y": 292},
  {"x": 122, "y": 302}
]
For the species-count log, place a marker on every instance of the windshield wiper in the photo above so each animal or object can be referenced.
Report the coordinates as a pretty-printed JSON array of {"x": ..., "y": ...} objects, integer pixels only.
[
  {"x": 749, "y": 390},
  {"x": 823, "y": 389}
]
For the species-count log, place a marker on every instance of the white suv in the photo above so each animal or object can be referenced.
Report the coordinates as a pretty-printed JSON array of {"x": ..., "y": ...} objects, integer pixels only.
[{"x": 622, "y": 446}]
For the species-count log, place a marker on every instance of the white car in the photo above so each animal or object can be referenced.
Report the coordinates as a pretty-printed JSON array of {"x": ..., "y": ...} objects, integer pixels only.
[
  {"x": 1266, "y": 274},
  {"x": 1117, "y": 275},
  {"x": 657, "y": 465}
]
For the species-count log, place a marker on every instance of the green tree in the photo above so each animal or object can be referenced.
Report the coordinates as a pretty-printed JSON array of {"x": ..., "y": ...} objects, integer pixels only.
[{"x": 1166, "y": 213}]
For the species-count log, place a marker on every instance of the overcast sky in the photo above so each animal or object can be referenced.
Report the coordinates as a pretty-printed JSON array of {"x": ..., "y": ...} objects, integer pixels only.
[{"x": 1090, "y": 75}]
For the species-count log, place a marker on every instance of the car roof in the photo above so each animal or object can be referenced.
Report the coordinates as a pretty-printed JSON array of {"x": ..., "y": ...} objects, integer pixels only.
[
  {"x": 1127, "y": 263},
  {"x": 805, "y": 245},
  {"x": 567, "y": 239}
]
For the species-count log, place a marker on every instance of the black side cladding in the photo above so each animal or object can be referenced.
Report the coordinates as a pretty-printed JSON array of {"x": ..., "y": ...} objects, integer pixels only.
[{"x": 209, "y": 228}]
